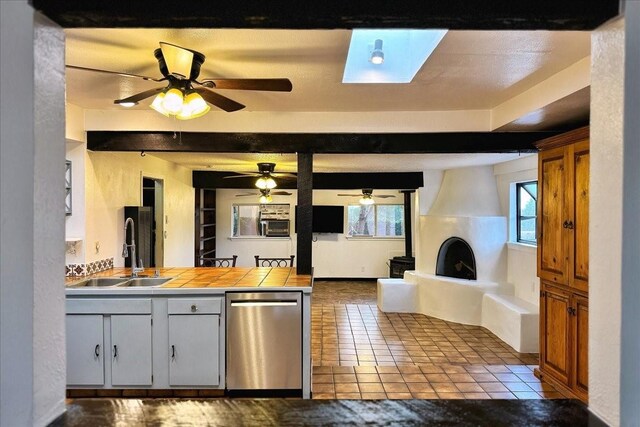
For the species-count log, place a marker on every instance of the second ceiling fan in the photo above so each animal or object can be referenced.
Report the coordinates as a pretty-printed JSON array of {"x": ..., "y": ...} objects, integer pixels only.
[
  {"x": 366, "y": 198},
  {"x": 184, "y": 96}
]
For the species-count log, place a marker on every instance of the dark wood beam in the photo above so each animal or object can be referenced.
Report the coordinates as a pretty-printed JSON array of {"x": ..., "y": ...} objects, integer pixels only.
[
  {"x": 321, "y": 181},
  {"x": 304, "y": 213},
  {"x": 334, "y": 143},
  {"x": 330, "y": 14}
]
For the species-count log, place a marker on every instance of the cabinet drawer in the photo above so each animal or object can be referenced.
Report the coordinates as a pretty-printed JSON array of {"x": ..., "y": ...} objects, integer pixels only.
[
  {"x": 108, "y": 306},
  {"x": 195, "y": 305}
]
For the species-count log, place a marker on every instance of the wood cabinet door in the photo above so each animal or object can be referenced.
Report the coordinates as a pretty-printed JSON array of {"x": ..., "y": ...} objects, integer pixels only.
[
  {"x": 555, "y": 332},
  {"x": 131, "y": 350},
  {"x": 194, "y": 350},
  {"x": 579, "y": 206},
  {"x": 85, "y": 349},
  {"x": 580, "y": 346},
  {"x": 552, "y": 213}
]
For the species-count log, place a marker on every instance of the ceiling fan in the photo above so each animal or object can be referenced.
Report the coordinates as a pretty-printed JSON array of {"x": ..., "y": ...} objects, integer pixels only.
[
  {"x": 184, "y": 95},
  {"x": 265, "y": 174},
  {"x": 366, "y": 198},
  {"x": 265, "y": 195}
]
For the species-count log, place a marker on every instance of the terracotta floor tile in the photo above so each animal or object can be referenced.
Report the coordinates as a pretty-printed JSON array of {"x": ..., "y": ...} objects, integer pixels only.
[
  {"x": 527, "y": 395},
  {"x": 371, "y": 387},
  {"x": 476, "y": 396},
  {"x": 323, "y": 388},
  {"x": 517, "y": 387},
  {"x": 461, "y": 378},
  {"x": 527, "y": 377},
  {"x": 469, "y": 387},
  {"x": 322, "y": 370},
  {"x": 482, "y": 378},
  {"x": 368, "y": 378},
  {"x": 365, "y": 370},
  {"x": 344, "y": 378},
  {"x": 493, "y": 387},
  {"x": 507, "y": 378},
  {"x": 324, "y": 396},
  {"x": 444, "y": 387},
  {"x": 347, "y": 388},
  {"x": 437, "y": 378},
  {"x": 551, "y": 394},
  {"x": 395, "y": 388},
  {"x": 519, "y": 369},
  {"x": 343, "y": 370},
  {"x": 391, "y": 378},
  {"x": 409, "y": 369},
  {"x": 420, "y": 387},
  {"x": 426, "y": 395},
  {"x": 322, "y": 378},
  {"x": 502, "y": 395},
  {"x": 498, "y": 369},
  {"x": 414, "y": 378},
  {"x": 431, "y": 369}
]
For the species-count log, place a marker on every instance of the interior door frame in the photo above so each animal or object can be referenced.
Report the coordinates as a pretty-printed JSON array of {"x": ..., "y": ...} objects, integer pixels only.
[{"x": 158, "y": 213}]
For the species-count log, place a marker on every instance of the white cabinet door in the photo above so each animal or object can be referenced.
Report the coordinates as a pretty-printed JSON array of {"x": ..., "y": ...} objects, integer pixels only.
[
  {"x": 85, "y": 350},
  {"x": 193, "y": 350},
  {"x": 131, "y": 350}
]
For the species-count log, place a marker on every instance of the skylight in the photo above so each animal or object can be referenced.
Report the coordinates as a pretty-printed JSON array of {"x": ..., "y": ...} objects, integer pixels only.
[{"x": 404, "y": 53}]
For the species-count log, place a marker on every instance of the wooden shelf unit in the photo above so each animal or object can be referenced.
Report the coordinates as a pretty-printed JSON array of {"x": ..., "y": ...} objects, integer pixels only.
[{"x": 205, "y": 222}]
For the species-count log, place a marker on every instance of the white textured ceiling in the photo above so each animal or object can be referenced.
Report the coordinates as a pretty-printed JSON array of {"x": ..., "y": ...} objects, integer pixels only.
[
  {"x": 468, "y": 70},
  {"x": 239, "y": 162}
]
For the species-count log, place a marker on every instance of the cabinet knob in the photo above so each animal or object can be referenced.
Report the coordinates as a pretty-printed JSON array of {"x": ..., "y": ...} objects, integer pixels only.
[{"x": 194, "y": 308}]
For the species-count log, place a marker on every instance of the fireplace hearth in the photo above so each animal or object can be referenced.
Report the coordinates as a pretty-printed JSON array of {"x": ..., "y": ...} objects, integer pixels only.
[{"x": 456, "y": 259}]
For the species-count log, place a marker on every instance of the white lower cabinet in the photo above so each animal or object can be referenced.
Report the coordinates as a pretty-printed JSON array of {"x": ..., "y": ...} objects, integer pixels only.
[
  {"x": 85, "y": 350},
  {"x": 131, "y": 350},
  {"x": 194, "y": 350}
]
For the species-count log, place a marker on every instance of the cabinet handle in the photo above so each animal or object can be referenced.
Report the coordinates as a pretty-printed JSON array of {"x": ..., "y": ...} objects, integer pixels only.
[
  {"x": 173, "y": 351},
  {"x": 115, "y": 351},
  {"x": 194, "y": 308},
  {"x": 96, "y": 351},
  {"x": 570, "y": 225}
]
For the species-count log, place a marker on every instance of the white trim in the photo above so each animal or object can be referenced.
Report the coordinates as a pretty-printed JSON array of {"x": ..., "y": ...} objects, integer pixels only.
[{"x": 522, "y": 247}]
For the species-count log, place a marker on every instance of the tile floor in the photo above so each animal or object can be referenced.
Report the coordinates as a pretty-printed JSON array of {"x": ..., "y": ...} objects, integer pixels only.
[{"x": 360, "y": 352}]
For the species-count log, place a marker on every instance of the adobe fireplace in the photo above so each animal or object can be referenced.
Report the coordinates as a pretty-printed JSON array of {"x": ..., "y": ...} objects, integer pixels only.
[{"x": 456, "y": 259}]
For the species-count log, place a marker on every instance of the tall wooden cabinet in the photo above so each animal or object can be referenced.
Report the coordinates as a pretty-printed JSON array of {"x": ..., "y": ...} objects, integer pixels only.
[{"x": 563, "y": 260}]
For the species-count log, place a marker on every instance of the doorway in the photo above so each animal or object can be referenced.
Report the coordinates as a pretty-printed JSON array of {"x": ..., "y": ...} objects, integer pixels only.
[{"x": 153, "y": 197}]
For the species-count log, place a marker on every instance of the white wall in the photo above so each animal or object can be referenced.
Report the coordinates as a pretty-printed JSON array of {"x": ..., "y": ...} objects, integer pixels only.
[
  {"x": 467, "y": 192},
  {"x": 113, "y": 180},
  {"x": 521, "y": 259},
  {"x": 334, "y": 255},
  {"x": 32, "y": 365},
  {"x": 75, "y": 224}
]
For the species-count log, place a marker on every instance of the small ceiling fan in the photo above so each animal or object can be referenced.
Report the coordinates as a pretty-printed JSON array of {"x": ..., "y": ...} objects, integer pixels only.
[
  {"x": 266, "y": 174},
  {"x": 184, "y": 96},
  {"x": 366, "y": 198},
  {"x": 265, "y": 195}
]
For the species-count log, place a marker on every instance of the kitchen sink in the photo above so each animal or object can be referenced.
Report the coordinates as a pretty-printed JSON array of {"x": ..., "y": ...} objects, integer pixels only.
[
  {"x": 145, "y": 281},
  {"x": 99, "y": 282}
]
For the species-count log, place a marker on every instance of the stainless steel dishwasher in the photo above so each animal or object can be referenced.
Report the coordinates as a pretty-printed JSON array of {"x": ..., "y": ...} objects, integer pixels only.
[{"x": 264, "y": 340}]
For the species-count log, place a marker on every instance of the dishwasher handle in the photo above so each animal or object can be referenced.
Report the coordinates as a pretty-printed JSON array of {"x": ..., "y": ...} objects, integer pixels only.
[{"x": 264, "y": 303}]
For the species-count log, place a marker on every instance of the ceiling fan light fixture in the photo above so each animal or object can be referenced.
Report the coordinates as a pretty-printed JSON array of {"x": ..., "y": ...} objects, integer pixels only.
[
  {"x": 173, "y": 100},
  {"x": 194, "y": 106},
  {"x": 377, "y": 55},
  {"x": 127, "y": 104},
  {"x": 265, "y": 182},
  {"x": 367, "y": 200},
  {"x": 265, "y": 198},
  {"x": 157, "y": 104}
]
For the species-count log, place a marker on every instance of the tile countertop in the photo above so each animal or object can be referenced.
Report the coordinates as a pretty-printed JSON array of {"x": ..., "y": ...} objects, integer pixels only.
[{"x": 199, "y": 279}]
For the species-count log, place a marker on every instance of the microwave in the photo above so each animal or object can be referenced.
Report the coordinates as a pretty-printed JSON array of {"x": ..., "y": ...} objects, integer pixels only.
[{"x": 276, "y": 228}]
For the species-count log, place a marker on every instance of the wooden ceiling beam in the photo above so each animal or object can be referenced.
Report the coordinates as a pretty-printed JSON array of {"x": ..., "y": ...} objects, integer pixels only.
[
  {"x": 330, "y": 14},
  {"x": 320, "y": 143}
]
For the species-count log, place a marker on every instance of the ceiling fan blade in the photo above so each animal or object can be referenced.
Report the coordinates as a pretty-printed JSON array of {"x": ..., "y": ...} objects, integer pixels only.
[
  {"x": 274, "y": 85},
  {"x": 95, "y": 70},
  {"x": 283, "y": 175},
  {"x": 178, "y": 59},
  {"x": 384, "y": 196},
  {"x": 247, "y": 194},
  {"x": 280, "y": 193},
  {"x": 140, "y": 96},
  {"x": 350, "y": 195},
  {"x": 219, "y": 101}
]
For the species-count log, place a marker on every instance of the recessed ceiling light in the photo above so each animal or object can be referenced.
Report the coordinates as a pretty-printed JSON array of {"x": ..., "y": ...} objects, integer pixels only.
[{"x": 377, "y": 56}]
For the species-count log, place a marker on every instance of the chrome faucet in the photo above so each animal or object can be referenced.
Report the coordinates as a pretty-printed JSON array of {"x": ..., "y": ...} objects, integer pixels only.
[{"x": 125, "y": 248}]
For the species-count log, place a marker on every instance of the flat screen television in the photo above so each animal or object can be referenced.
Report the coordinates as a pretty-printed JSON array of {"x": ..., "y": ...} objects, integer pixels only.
[{"x": 326, "y": 219}]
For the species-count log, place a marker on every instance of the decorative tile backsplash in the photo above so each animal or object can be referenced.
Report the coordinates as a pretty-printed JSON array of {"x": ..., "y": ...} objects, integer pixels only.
[{"x": 72, "y": 270}]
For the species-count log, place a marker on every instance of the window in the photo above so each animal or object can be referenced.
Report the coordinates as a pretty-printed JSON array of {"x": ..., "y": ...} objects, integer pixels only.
[
  {"x": 526, "y": 208},
  {"x": 260, "y": 220},
  {"x": 376, "y": 220}
]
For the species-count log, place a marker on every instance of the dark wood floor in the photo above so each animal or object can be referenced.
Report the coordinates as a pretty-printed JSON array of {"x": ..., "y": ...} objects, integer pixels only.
[{"x": 280, "y": 412}]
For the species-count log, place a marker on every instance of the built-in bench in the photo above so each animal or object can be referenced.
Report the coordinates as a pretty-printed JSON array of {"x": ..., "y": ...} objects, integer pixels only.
[
  {"x": 397, "y": 296},
  {"x": 513, "y": 320}
]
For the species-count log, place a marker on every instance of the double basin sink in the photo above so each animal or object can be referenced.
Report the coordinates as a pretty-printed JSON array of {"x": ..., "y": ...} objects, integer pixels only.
[{"x": 121, "y": 282}]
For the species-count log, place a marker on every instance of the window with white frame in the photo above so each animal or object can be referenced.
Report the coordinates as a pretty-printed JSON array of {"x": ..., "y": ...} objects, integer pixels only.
[
  {"x": 526, "y": 211},
  {"x": 375, "y": 220},
  {"x": 246, "y": 221}
]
